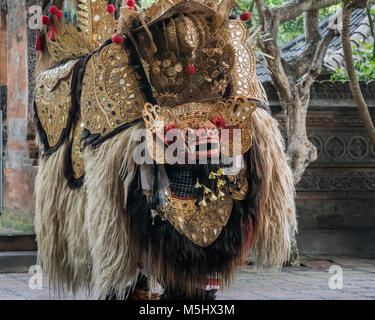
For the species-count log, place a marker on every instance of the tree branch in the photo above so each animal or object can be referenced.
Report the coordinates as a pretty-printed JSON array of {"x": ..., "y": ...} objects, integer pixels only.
[
  {"x": 259, "y": 5},
  {"x": 317, "y": 63},
  {"x": 295, "y": 8},
  {"x": 300, "y": 65},
  {"x": 354, "y": 85}
]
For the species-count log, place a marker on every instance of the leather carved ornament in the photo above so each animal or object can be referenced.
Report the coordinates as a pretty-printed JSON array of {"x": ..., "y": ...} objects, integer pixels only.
[
  {"x": 111, "y": 96},
  {"x": 53, "y": 101}
]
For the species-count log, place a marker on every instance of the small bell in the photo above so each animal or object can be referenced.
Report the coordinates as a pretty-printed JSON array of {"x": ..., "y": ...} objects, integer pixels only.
[
  {"x": 213, "y": 197},
  {"x": 220, "y": 183},
  {"x": 212, "y": 175},
  {"x": 197, "y": 185},
  {"x": 206, "y": 190},
  {"x": 203, "y": 203}
]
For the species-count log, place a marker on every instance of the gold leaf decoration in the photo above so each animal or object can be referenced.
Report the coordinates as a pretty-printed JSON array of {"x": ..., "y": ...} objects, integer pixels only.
[
  {"x": 53, "y": 100},
  {"x": 95, "y": 22},
  {"x": 111, "y": 95},
  {"x": 244, "y": 78},
  {"x": 68, "y": 42},
  {"x": 201, "y": 225}
]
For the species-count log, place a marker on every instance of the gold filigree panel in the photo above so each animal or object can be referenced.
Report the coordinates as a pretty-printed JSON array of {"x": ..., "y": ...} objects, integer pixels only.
[
  {"x": 111, "y": 96},
  {"x": 95, "y": 22},
  {"x": 201, "y": 225},
  {"x": 53, "y": 100},
  {"x": 68, "y": 42},
  {"x": 244, "y": 78}
]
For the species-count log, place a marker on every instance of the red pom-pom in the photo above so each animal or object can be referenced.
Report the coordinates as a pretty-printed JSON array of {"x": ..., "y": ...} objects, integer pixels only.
[
  {"x": 130, "y": 3},
  {"x": 45, "y": 20},
  {"x": 59, "y": 14},
  {"x": 53, "y": 10},
  {"x": 117, "y": 39},
  {"x": 131, "y": 8},
  {"x": 39, "y": 46},
  {"x": 191, "y": 69},
  {"x": 111, "y": 8},
  {"x": 245, "y": 16},
  {"x": 219, "y": 122}
]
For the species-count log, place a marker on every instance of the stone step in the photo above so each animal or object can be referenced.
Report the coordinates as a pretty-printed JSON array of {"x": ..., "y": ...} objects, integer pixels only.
[
  {"x": 17, "y": 241},
  {"x": 17, "y": 261}
]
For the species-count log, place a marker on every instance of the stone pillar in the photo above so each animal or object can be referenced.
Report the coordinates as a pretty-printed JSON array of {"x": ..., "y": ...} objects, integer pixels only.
[
  {"x": 19, "y": 173},
  {"x": 3, "y": 47}
]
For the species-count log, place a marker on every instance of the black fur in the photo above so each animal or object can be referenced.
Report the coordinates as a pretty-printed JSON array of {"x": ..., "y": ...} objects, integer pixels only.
[{"x": 187, "y": 258}]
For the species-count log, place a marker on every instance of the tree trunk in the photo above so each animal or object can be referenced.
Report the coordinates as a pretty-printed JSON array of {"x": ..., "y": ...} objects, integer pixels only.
[
  {"x": 300, "y": 151},
  {"x": 354, "y": 85}
]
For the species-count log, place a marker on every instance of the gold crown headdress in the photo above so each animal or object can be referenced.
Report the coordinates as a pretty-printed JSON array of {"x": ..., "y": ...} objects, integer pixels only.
[
  {"x": 170, "y": 36},
  {"x": 190, "y": 51}
]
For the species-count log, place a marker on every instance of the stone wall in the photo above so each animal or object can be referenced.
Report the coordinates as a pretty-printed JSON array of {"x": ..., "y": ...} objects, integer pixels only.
[{"x": 336, "y": 196}]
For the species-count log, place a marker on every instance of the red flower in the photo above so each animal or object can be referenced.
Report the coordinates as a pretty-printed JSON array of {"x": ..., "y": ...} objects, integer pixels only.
[
  {"x": 45, "y": 20},
  {"x": 53, "y": 10},
  {"x": 191, "y": 69},
  {"x": 59, "y": 14},
  {"x": 219, "y": 122},
  {"x": 117, "y": 39},
  {"x": 130, "y": 3},
  {"x": 168, "y": 127},
  {"x": 111, "y": 8},
  {"x": 245, "y": 16}
]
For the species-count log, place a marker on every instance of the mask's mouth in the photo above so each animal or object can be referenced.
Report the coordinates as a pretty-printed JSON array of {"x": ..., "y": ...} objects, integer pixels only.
[
  {"x": 204, "y": 149},
  {"x": 205, "y": 144}
]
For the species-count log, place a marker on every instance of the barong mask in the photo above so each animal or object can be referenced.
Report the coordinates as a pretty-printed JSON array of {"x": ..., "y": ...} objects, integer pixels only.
[
  {"x": 182, "y": 65},
  {"x": 102, "y": 218}
]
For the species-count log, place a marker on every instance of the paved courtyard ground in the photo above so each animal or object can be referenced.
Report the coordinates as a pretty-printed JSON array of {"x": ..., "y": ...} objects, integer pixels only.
[{"x": 310, "y": 281}]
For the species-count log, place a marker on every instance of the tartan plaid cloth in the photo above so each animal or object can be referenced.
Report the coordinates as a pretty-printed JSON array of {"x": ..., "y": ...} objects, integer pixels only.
[{"x": 181, "y": 181}]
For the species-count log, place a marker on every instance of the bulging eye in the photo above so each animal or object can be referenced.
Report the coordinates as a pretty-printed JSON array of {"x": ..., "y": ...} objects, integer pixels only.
[{"x": 189, "y": 133}]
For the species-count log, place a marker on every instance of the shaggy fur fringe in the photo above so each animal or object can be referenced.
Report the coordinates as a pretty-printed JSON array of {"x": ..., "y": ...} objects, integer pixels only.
[
  {"x": 60, "y": 226},
  {"x": 110, "y": 168},
  {"x": 276, "y": 217},
  {"x": 86, "y": 235}
]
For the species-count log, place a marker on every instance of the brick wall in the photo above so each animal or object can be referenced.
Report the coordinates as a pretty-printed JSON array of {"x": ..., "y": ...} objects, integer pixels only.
[
  {"x": 3, "y": 49},
  {"x": 19, "y": 173}
]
